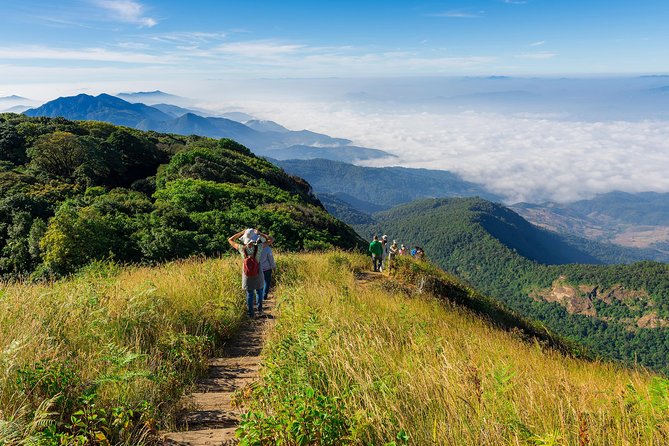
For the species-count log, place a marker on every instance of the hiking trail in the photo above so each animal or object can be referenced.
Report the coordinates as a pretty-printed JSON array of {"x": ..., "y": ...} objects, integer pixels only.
[
  {"x": 213, "y": 417},
  {"x": 364, "y": 278}
]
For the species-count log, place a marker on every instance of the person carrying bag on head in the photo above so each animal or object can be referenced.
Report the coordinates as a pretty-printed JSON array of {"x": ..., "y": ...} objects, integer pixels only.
[{"x": 253, "y": 281}]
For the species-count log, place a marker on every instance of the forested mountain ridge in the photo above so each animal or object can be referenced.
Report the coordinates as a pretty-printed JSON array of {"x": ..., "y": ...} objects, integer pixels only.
[
  {"x": 369, "y": 189},
  {"x": 75, "y": 192},
  {"x": 619, "y": 311}
]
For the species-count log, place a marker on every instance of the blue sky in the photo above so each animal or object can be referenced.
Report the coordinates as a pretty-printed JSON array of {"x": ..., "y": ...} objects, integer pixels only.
[{"x": 98, "y": 41}]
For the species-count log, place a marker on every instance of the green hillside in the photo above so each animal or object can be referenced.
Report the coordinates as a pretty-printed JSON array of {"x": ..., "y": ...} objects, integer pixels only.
[
  {"x": 619, "y": 311},
  {"x": 74, "y": 192}
]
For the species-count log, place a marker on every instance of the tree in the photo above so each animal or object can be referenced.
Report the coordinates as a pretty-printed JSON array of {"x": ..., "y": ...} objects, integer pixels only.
[
  {"x": 59, "y": 154},
  {"x": 139, "y": 157},
  {"x": 12, "y": 145}
]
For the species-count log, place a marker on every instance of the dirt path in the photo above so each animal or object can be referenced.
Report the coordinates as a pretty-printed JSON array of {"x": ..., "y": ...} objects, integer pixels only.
[
  {"x": 213, "y": 418},
  {"x": 366, "y": 277}
]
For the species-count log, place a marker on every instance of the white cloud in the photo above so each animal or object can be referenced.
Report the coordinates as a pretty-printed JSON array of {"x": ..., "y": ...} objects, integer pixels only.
[
  {"x": 82, "y": 54},
  {"x": 539, "y": 43},
  {"x": 520, "y": 158},
  {"x": 128, "y": 11},
  {"x": 537, "y": 56},
  {"x": 258, "y": 48}
]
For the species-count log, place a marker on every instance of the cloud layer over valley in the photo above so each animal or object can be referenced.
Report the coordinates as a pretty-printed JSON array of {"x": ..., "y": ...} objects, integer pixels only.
[{"x": 519, "y": 156}]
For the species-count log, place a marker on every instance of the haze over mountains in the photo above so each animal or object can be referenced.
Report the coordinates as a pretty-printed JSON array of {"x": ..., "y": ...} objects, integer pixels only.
[
  {"x": 492, "y": 130},
  {"x": 264, "y": 137},
  {"x": 532, "y": 139},
  {"x": 370, "y": 189},
  {"x": 639, "y": 220}
]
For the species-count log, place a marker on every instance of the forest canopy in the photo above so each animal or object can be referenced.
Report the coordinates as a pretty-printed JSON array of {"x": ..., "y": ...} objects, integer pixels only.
[{"x": 73, "y": 192}]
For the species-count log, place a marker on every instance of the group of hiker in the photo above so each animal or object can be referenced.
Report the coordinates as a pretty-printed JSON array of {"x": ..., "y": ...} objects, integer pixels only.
[
  {"x": 384, "y": 254},
  {"x": 258, "y": 263}
]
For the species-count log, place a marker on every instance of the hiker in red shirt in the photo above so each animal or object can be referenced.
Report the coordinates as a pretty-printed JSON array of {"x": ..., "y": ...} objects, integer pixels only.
[{"x": 253, "y": 281}]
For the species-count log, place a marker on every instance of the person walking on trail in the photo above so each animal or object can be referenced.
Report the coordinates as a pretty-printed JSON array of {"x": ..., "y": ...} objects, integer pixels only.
[
  {"x": 268, "y": 267},
  {"x": 403, "y": 250},
  {"x": 384, "y": 256},
  {"x": 420, "y": 254},
  {"x": 376, "y": 251},
  {"x": 393, "y": 252},
  {"x": 253, "y": 281}
]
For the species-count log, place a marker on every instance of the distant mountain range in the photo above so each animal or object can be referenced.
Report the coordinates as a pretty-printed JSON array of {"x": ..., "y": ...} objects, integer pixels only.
[
  {"x": 265, "y": 138},
  {"x": 99, "y": 108},
  {"x": 14, "y": 104},
  {"x": 616, "y": 220},
  {"x": 13, "y": 98},
  {"x": 150, "y": 97},
  {"x": 637, "y": 220},
  {"x": 17, "y": 109}
]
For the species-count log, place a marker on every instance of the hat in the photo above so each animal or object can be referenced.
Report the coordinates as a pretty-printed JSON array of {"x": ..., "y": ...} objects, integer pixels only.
[
  {"x": 385, "y": 237},
  {"x": 249, "y": 236}
]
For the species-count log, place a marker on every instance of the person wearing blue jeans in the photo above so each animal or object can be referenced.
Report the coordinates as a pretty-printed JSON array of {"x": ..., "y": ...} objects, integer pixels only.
[
  {"x": 268, "y": 266},
  {"x": 253, "y": 243},
  {"x": 251, "y": 300}
]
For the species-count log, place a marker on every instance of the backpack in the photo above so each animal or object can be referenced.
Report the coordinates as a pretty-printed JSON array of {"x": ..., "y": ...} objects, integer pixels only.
[{"x": 251, "y": 266}]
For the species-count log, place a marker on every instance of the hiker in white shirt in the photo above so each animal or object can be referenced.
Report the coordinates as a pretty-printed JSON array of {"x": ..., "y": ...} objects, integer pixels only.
[{"x": 268, "y": 267}]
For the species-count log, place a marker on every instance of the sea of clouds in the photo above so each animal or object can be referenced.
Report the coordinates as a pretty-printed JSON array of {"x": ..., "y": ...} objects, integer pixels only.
[{"x": 518, "y": 156}]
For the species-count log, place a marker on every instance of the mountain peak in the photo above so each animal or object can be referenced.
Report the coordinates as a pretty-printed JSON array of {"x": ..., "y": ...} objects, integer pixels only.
[
  {"x": 140, "y": 93},
  {"x": 149, "y": 97},
  {"x": 13, "y": 98},
  {"x": 103, "y": 107}
]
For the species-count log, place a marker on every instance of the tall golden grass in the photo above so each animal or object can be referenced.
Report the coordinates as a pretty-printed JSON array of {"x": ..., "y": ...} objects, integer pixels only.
[
  {"x": 135, "y": 337},
  {"x": 393, "y": 359},
  {"x": 408, "y": 362}
]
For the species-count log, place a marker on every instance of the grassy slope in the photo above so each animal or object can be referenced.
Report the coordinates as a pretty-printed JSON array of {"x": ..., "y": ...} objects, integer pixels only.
[
  {"x": 348, "y": 362},
  {"x": 115, "y": 344},
  {"x": 374, "y": 363}
]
